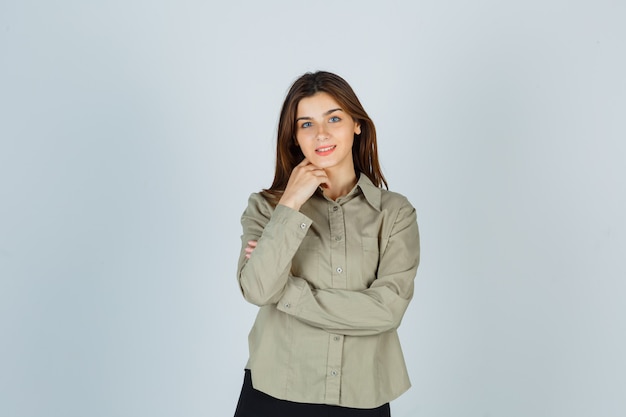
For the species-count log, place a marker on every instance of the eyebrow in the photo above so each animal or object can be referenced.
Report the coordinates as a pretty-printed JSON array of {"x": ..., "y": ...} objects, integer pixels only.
[{"x": 325, "y": 114}]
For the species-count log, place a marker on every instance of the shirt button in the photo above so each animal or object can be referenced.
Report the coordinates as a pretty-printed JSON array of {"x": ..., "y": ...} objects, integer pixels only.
[
  {"x": 336, "y": 338},
  {"x": 337, "y": 238},
  {"x": 287, "y": 305},
  {"x": 333, "y": 372},
  {"x": 339, "y": 270},
  {"x": 335, "y": 208},
  {"x": 303, "y": 226}
]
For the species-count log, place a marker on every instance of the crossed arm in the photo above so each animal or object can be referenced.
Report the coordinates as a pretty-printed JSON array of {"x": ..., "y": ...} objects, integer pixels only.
[{"x": 270, "y": 241}]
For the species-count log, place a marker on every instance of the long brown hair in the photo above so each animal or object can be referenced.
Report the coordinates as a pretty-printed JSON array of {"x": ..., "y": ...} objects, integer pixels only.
[{"x": 288, "y": 154}]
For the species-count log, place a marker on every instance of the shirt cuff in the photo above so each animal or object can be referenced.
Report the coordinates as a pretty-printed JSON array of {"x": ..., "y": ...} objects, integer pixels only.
[
  {"x": 289, "y": 302},
  {"x": 295, "y": 220}
]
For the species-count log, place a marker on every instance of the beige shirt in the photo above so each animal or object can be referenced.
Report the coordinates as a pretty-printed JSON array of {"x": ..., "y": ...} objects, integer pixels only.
[{"x": 333, "y": 281}]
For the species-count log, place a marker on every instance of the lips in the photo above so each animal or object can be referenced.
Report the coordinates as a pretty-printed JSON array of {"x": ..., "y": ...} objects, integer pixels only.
[{"x": 325, "y": 150}]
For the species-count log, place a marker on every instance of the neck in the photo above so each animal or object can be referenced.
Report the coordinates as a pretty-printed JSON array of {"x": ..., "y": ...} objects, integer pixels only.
[{"x": 341, "y": 182}]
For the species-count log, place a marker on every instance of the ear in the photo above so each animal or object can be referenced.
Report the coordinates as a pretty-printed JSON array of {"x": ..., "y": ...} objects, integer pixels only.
[{"x": 357, "y": 128}]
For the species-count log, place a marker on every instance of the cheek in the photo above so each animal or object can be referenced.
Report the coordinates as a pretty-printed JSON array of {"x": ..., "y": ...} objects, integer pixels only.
[
  {"x": 304, "y": 137},
  {"x": 347, "y": 134},
  {"x": 344, "y": 131}
]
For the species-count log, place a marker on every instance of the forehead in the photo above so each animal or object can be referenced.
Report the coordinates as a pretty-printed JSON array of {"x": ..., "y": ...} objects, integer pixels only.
[{"x": 317, "y": 104}]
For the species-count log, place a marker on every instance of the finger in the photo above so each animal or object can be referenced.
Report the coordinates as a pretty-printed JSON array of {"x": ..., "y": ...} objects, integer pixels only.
[
  {"x": 252, "y": 243},
  {"x": 319, "y": 172},
  {"x": 321, "y": 176},
  {"x": 324, "y": 180},
  {"x": 304, "y": 163}
]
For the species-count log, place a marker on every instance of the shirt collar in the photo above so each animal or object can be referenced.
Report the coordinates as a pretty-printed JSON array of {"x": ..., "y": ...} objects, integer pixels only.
[{"x": 371, "y": 192}]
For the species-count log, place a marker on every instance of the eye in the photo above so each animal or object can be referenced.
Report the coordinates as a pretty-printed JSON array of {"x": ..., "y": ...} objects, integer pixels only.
[
  {"x": 306, "y": 124},
  {"x": 334, "y": 119}
]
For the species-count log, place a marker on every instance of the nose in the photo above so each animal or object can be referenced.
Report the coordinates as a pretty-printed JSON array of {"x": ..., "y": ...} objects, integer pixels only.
[{"x": 322, "y": 133}]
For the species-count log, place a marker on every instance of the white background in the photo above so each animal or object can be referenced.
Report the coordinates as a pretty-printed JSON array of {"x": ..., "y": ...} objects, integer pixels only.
[{"x": 132, "y": 133}]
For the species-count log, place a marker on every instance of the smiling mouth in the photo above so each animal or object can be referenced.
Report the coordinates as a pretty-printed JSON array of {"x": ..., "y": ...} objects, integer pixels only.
[{"x": 326, "y": 149}]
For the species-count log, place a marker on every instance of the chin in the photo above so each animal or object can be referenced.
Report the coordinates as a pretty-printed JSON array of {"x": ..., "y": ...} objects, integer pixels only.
[{"x": 326, "y": 164}]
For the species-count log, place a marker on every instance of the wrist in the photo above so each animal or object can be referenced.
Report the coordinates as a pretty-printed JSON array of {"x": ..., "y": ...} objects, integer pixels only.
[{"x": 288, "y": 202}]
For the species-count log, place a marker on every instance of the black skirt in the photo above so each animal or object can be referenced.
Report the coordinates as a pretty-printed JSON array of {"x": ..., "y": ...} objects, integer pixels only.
[{"x": 254, "y": 403}]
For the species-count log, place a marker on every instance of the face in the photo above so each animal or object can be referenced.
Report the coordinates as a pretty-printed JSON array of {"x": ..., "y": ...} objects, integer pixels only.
[{"x": 325, "y": 132}]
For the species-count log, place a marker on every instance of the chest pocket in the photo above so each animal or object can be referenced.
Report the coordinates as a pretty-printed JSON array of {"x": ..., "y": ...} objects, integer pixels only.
[
  {"x": 306, "y": 262},
  {"x": 370, "y": 256}
]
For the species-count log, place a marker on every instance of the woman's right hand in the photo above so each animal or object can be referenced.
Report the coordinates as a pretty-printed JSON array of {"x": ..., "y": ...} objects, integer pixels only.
[{"x": 303, "y": 181}]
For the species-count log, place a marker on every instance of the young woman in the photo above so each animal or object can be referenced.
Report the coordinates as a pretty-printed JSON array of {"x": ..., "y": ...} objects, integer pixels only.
[{"x": 330, "y": 258}]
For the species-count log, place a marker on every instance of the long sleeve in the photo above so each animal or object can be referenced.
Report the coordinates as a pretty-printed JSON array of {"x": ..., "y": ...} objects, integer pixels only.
[
  {"x": 278, "y": 232},
  {"x": 333, "y": 281},
  {"x": 377, "y": 309}
]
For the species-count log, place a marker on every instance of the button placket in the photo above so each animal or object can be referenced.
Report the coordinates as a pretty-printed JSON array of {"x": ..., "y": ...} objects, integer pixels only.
[
  {"x": 333, "y": 370},
  {"x": 338, "y": 245}
]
